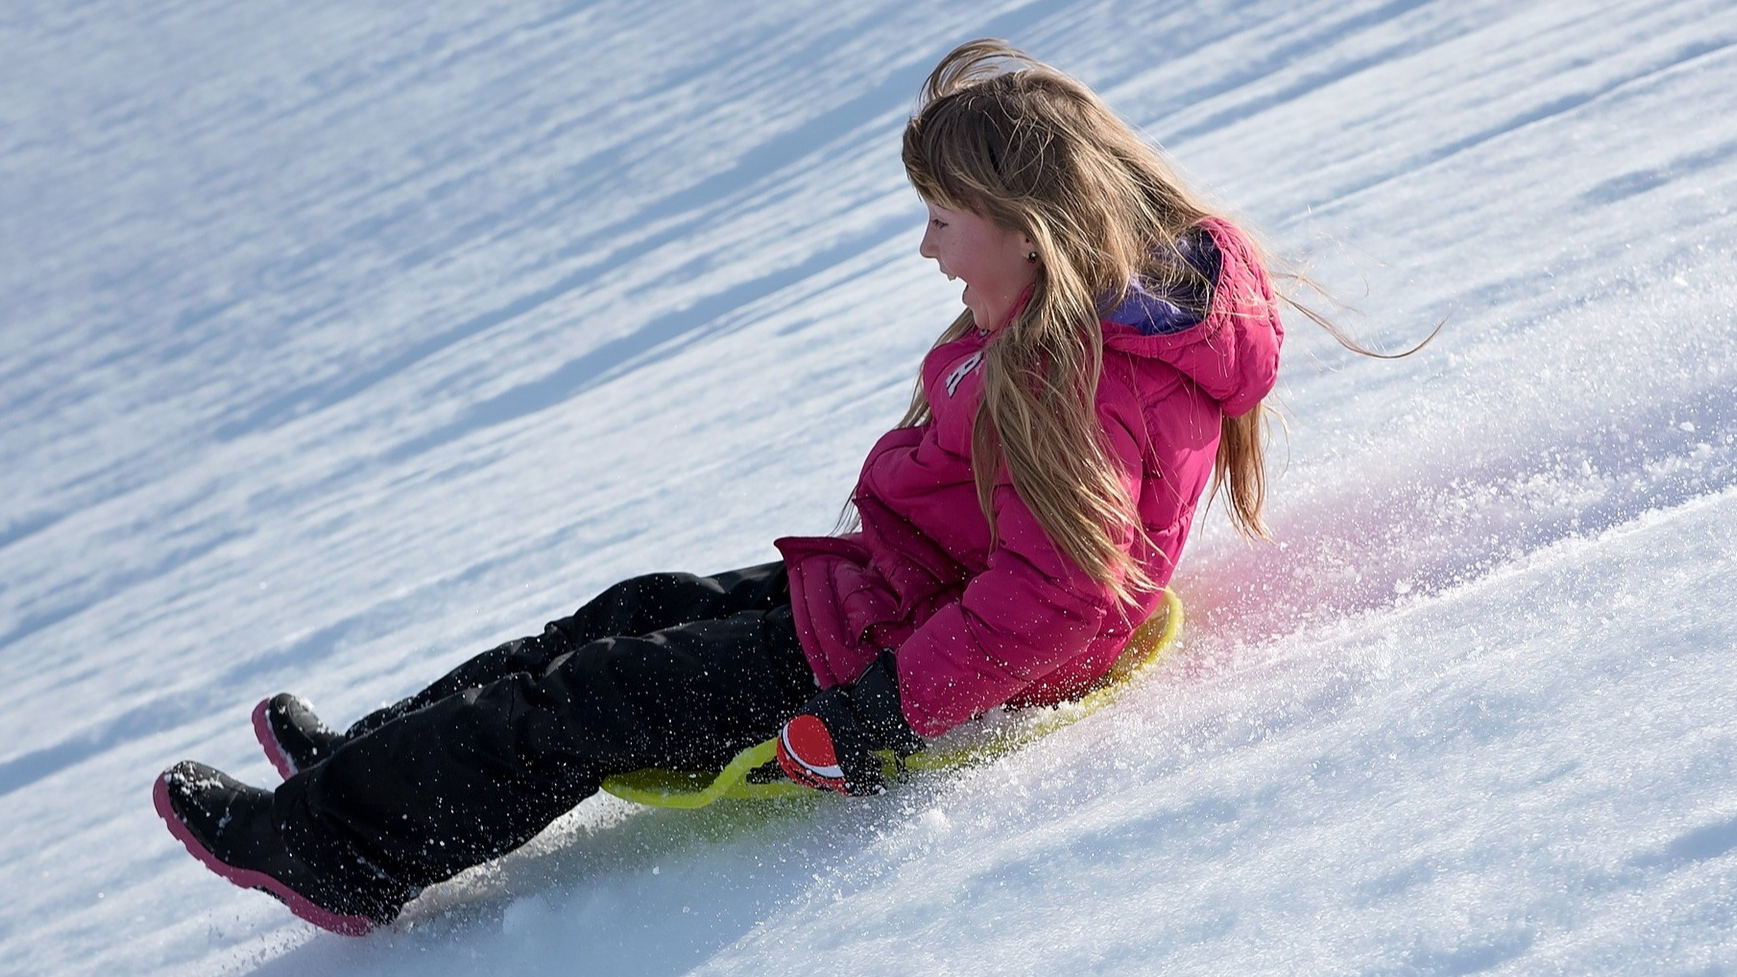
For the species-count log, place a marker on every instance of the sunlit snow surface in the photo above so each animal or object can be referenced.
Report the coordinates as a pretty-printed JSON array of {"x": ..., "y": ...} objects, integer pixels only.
[{"x": 338, "y": 343}]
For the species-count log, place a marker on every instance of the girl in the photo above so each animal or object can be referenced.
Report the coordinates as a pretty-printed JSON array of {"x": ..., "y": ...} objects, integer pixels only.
[{"x": 1015, "y": 527}]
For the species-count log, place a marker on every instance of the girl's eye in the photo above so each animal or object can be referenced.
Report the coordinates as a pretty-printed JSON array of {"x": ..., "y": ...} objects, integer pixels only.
[{"x": 937, "y": 223}]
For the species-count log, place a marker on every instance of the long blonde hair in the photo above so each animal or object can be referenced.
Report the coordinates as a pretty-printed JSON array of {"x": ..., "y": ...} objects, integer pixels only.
[{"x": 1008, "y": 138}]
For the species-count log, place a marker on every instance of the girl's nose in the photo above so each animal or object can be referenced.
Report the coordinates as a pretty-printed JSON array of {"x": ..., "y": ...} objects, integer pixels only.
[{"x": 926, "y": 248}]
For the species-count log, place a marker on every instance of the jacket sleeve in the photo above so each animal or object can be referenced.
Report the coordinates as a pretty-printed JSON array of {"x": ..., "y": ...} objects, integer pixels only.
[{"x": 1031, "y": 609}]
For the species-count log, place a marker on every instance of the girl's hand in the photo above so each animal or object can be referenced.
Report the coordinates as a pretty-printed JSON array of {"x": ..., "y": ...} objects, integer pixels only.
[{"x": 830, "y": 744}]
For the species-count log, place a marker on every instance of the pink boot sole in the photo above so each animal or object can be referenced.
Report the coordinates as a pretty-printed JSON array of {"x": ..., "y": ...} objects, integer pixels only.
[
  {"x": 323, "y": 918},
  {"x": 286, "y": 767}
]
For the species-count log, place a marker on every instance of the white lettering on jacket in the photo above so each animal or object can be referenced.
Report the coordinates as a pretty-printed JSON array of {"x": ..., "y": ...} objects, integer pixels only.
[{"x": 960, "y": 371}]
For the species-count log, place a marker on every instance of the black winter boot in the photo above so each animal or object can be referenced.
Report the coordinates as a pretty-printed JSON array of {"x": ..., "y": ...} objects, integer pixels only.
[
  {"x": 228, "y": 826},
  {"x": 293, "y": 737}
]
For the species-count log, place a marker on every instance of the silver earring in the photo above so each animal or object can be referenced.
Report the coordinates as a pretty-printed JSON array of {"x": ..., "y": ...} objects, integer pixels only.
[{"x": 1032, "y": 257}]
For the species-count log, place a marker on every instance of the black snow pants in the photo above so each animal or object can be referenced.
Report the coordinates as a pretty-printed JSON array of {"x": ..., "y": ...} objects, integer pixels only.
[{"x": 667, "y": 670}]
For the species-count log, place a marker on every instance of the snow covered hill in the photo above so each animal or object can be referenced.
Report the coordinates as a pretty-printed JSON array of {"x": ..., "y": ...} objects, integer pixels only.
[{"x": 339, "y": 342}]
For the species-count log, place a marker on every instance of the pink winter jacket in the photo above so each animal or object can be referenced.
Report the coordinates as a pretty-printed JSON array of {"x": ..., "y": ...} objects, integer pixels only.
[{"x": 973, "y": 626}]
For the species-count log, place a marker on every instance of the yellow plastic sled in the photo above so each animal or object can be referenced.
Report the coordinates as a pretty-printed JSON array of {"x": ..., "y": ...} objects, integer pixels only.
[{"x": 754, "y": 773}]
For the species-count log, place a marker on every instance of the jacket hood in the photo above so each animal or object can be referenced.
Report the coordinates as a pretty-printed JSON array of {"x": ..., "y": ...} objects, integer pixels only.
[{"x": 1232, "y": 353}]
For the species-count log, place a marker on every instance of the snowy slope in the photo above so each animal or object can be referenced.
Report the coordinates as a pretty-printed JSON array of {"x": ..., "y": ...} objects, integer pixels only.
[{"x": 340, "y": 342}]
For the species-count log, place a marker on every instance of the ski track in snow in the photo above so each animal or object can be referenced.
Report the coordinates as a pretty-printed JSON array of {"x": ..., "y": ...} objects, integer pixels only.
[{"x": 337, "y": 344}]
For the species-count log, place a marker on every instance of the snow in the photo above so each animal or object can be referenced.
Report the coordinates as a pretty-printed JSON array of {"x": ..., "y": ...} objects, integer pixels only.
[{"x": 340, "y": 342}]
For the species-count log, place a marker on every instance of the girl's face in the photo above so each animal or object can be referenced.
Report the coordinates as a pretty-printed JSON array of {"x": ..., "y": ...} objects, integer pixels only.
[{"x": 990, "y": 258}]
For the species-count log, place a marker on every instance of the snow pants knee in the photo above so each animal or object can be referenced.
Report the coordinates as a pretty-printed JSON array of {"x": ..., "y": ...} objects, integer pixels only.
[{"x": 669, "y": 670}]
